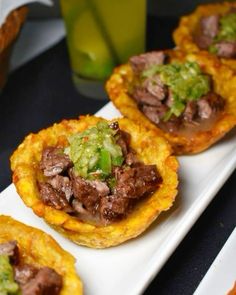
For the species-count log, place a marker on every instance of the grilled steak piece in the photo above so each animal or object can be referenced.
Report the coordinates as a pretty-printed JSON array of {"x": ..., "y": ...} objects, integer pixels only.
[
  {"x": 24, "y": 273},
  {"x": 10, "y": 249},
  {"x": 137, "y": 181},
  {"x": 46, "y": 282},
  {"x": 142, "y": 96},
  {"x": 123, "y": 141},
  {"x": 208, "y": 104},
  {"x": 143, "y": 61},
  {"x": 190, "y": 111},
  {"x": 210, "y": 25},
  {"x": 154, "y": 114},
  {"x": 62, "y": 184},
  {"x": 88, "y": 192},
  {"x": 113, "y": 207},
  {"x": 54, "y": 198},
  {"x": 155, "y": 87},
  {"x": 54, "y": 161},
  {"x": 226, "y": 49}
]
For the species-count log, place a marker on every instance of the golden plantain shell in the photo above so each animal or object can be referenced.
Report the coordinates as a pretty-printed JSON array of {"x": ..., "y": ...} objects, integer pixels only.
[
  {"x": 40, "y": 249},
  {"x": 224, "y": 83},
  {"x": 183, "y": 35},
  {"x": 150, "y": 148}
]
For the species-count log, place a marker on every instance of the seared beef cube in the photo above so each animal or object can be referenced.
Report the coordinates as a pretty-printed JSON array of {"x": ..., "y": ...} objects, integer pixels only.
[
  {"x": 142, "y": 96},
  {"x": 155, "y": 87},
  {"x": 52, "y": 197},
  {"x": 113, "y": 207},
  {"x": 190, "y": 111},
  {"x": 209, "y": 104},
  {"x": 210, "y": 25},
  {"x": 131, "y": 159},
  {"x": 24, "y": 273},
  {"x": 123, "y": 141},
  {"x": 62, "y": 184},
  {"x": 226, "y": 49},
  {"x": 154, "y": 114},
  {"x": 54, "y": 161},
  {"x": 10, "y": 249},
  {"x": 135, "y": 182},
  {"x": 145, "y": 60},
  {"x": 202, "y": 41},
  {"x": 88, "y": 192},
  {"x": 46, "y": 282}
]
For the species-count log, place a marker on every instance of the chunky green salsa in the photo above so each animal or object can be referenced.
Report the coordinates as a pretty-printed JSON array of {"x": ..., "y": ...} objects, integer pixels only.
[
  {"x": 94, "y": 151},
  {"x": 7, "y": 284},
  {"x": 185, "y": 80}
]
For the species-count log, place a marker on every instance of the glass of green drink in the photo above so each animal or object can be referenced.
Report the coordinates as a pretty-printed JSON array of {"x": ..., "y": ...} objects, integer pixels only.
[{"x": 102, "y": 34}]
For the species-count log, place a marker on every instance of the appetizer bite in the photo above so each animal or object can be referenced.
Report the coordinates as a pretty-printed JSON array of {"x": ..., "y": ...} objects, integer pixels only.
[
  {"x": 32, "y": 263},
  {"x": 99, "y": 183},
  {"x": 190, "y": 99},
  {"x": 210, "y": 27}
]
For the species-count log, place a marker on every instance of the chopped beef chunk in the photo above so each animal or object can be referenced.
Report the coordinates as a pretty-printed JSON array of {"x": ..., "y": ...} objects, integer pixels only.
[
  {"x": 137, "y": 181},
  {"x": 142, "y": 96},
  {"x": 154, "y": 114},
  {"x": 114, "y": 207},
  {"x": 88, "y": 192},
  {"x": 123, "y": 141},
  {"x": 226, "y": 49},
  {"x": 10, "y": 249},
  {"x": 54, "y": 198},
  {"x": 208, "y": 104},
  {"x": 45, "y": 282},
  {"x": 131, "y": 159},
  {"x": 143, "y": 61},
  {"x": 190, "y": 111},
  {"x": 62, "y": 184},
  {"x": 155, "y": 87},
  {"x": 210, "y": 25},
  {"x": 23, "y": 273},
  {"x": 54, "y": 161}
]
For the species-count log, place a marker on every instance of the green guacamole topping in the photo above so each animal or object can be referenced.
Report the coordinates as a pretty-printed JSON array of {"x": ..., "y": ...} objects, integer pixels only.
[
  {"x": 227, "y": 30},
  {"x": 186, "y": 82},
  {"x": 7, "y": 284},
  {"x": 94, "y": 151}
]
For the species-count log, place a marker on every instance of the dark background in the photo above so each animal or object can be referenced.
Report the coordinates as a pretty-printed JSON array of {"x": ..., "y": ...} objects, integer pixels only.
[{"x": 41, "y": 92}]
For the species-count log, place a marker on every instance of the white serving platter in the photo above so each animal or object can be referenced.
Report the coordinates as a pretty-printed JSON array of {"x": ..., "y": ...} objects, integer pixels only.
[
  {"x": 221, "y": 276},
  {"x": 128, "y": 269}
]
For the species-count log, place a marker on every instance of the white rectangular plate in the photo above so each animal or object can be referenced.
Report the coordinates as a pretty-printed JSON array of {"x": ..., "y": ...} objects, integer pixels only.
[
  {"x": 127, "y": 269},
  {"x": 221, "y": 276}
]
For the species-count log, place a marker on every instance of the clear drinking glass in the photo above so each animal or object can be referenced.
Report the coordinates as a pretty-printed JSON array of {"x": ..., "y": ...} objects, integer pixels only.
[{"x": 102, "y": 34}]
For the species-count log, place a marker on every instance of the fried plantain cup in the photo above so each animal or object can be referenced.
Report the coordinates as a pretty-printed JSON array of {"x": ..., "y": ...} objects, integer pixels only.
[
  {"x": 224, "y": 84},
  {"x": 150, "y": 148},
  {"x": 183, "y": 35},
  {"x": 40, "y": 249}
]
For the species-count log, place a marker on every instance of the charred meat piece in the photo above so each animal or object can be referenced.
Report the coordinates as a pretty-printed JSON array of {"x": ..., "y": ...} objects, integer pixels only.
[
  {"x": 24, "y": 273},
  {"x": 88, "y": 192},
  {"x": 155, "y": 87},
  {"x": 208, "y": 29},
  {"x": 52, "y": 197},
  {"x": 209, "y": 104},
  {"x": 190, "y": 111},
  {"x": 131, "y": 159},
  {"x": 210, "y": 25},
  {"x": 45, "y": 282},
  {"x": 154, "y": 114},
  {"x": 62, "y": 184},
  {"x": 113, "y": 207},
  {"x": 137, "y": 181},
  {"x": 10, "y": 249},
  {"x": 54, "y": 161},
  {"x": 123, "y": 141},
  {"x": 142, "y": 96},
  {"x": 226, "y": 49},
  {"x": 143, "y": 61}
]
